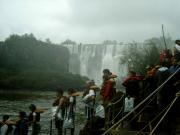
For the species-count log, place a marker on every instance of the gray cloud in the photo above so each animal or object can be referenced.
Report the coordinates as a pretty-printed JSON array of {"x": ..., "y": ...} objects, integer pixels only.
[{"x": 90, "y": 21}]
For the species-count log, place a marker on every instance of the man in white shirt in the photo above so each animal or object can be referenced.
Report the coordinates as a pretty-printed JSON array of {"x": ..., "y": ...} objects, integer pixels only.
[{"x": 89, "y": 100}]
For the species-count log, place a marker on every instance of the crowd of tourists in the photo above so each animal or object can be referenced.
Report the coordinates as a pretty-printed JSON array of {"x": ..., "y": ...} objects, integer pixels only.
[{"x": 137, "y": 87}]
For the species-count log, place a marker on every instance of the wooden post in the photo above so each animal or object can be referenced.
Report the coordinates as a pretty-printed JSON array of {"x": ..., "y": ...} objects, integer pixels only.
[{"x": 113, "y": 115}]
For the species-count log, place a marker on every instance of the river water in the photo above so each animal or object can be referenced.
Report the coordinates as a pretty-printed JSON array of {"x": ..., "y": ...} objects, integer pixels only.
[{"x": 11, "y": 102}]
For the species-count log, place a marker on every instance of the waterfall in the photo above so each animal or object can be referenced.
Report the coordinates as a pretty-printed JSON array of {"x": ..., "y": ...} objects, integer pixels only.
[{"x": 90, "y": 60}]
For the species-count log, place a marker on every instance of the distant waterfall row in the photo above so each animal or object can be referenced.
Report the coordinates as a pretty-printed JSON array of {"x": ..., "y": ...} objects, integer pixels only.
[{"x": 90, "y": 60}]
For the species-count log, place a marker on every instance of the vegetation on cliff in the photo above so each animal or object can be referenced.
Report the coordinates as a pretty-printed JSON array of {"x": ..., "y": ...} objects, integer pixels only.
[{"x": 28, "y": 63}]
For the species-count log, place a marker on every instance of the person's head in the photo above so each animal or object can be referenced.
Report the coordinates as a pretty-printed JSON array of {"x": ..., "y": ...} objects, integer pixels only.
[
  {"x": 92, "y": 82},
  {"x": 22, "y": 115},
  {"x": 89, "y": 83},
  {"x": 177, "y": 42},
  {"x": 106, "y": 72},
  {"x": 32, "y": 107},
  {"x": 132, "y": 73},
  {"x": 60, "y": 92},
  {"x": 5, "y": 118},
  {"x": 71, "y": 91}
]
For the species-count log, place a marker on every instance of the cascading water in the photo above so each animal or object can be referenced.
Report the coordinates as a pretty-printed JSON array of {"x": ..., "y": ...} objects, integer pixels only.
[{"x": 90, "y": 60}]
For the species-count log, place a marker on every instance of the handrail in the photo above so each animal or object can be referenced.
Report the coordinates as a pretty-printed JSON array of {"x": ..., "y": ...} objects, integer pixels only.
[
  {"x": 118, "y": 100},
  {"x": 164, "y": 115},
  {"x": 113, "y": 103},
  {"x": 111, "y": 106},
  {"x": 117, "y": 115},
  {"x": 142, "y": 102},
  {"x": 141, "y": 110},
  {"x": 154, "y": 119}
]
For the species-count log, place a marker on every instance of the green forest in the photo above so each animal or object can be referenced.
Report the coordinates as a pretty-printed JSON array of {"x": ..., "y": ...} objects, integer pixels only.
[{"x": 29, "y": 63}]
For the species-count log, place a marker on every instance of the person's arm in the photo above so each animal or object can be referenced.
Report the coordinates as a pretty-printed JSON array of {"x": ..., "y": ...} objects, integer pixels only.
[
  {"x": 113, "y": 76},
  {"x": 126, "y": 82},
  {"x": 40, "y": 110},
  {"x": 11, "y": 122},
  {"x": 55, "y": 102}
]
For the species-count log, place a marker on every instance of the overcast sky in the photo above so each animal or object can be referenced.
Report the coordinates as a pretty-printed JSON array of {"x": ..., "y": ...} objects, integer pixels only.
[{"x": 90, "y": 21}]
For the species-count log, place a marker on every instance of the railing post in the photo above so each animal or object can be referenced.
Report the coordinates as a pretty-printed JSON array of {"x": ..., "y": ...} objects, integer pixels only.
[
  {"x": 113, "y": 112},
  {"x": 51, "y": 127}
]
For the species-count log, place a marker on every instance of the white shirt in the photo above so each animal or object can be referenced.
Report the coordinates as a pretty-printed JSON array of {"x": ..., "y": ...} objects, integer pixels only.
[
  {"x": 4, "y": 129},
  {"x": 86, "y": 98}
]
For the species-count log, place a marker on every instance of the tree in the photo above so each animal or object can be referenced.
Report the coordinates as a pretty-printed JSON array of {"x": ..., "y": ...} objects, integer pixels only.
[
  {"x": 68, "y": 41},
  {"x": 138, "y": 56},
  {"x": 30, "y": 63}
]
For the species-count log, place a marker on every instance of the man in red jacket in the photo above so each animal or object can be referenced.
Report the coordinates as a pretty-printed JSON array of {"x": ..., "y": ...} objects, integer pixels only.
[{"x": 131, "y": 83}]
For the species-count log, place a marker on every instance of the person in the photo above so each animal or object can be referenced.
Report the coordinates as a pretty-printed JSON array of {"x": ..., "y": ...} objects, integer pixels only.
[
  {"x": 174, "y": 66},
  {"x": 174, "y": 113},
  {"x": 131, "y": 83},
  {"x": 177, "y": 50},
  {"x": 22, "y": 124},
  {"x": 34, "y": 119},
  {"x": 89, "y": 99},
  {"x": 6, "y": 129},
  {"x": 108, "y": 90},
  {"x": 96, "y": 123},
  {"x": 70, "y": 112},
  {"x": 59, "y": 103},
  {"x": 99, "y": 116},
  {"x": 149, "y": 83},
  {"x": 164, "y": 95},
  {"x": 165, "y": 55}
]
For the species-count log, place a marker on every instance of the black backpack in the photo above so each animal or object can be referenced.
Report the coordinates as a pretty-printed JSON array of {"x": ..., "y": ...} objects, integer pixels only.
[{"x": 133, "y": 88}]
